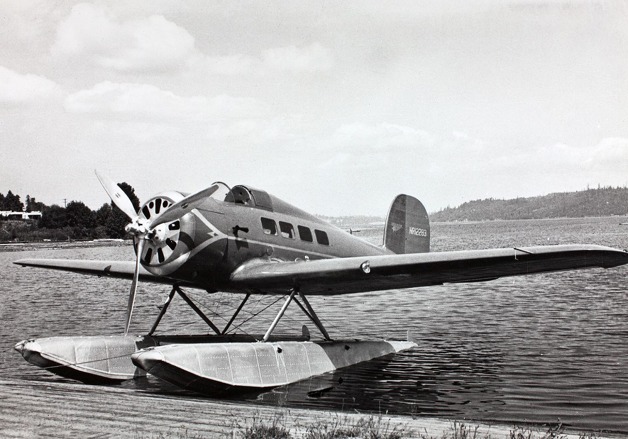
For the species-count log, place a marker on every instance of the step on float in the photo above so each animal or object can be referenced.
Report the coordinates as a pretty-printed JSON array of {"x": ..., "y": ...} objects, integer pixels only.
[{"x": 206, "y": 364}]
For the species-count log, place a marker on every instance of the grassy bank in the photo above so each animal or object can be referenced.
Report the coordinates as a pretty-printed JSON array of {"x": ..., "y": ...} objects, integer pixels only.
[
  {"x": 52, "y": 408},
  {"x": 379, "y": 427}
]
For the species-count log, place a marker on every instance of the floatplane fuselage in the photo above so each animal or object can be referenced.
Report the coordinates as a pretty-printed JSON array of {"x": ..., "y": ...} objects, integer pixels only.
[{"x": 243, "y": 240}]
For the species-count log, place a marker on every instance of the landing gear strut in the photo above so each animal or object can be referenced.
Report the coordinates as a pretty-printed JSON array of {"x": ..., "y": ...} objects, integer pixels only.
[
  {"x": 197, "y": 310},
  {"x": 305, "y": 307},
  {"x": 307, "y": 310}
]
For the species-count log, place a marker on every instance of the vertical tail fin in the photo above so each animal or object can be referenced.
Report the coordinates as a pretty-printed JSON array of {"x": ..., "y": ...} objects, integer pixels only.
[{"x": 407, "y": 226}]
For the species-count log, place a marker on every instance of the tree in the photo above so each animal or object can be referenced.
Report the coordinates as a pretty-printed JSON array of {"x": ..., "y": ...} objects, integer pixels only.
[
  {"x": 12, "y": 202},
  {"x": 32, "y": 205},
  {"x": 130, "y": 192},
  {"x": 53, "y": 217},
  {"x": 118, "y": 220},
  {"x": 79, "y": 215},
  {"x": 103, "y": 214},
  {"x": 81, "y": 219}
]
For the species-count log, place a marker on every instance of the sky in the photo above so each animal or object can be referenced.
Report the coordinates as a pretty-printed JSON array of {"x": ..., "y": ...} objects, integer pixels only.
[{"x": 335, "y": 107}]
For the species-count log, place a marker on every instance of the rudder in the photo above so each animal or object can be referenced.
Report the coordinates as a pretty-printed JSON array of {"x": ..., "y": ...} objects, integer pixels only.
[{"x": 407, "y": 226}]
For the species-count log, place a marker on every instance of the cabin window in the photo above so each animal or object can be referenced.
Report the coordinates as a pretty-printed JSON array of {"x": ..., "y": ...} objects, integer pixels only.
[
  {"x": 287, "y": 230},
  {"x": 305, "y": 234},
  {"x": 269, "y": 226},
  {"x": 321, "y": 237}
]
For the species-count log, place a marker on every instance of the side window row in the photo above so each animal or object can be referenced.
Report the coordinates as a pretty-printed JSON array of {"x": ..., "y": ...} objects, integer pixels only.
[{"x": 287, "y": 231}]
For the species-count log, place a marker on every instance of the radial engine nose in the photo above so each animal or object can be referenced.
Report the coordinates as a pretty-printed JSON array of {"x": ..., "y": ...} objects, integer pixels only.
[{"x": 163, "y": 244}]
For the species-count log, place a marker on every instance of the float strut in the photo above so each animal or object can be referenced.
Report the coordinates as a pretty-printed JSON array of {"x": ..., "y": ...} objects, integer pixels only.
[
  {"x": 313, "y": 317},
  {"x": 279, "y": 315},
  {"x": 224, "y": 331},
  {"x": 164, "y": 308},
  {"x": 197, "y": 310}
]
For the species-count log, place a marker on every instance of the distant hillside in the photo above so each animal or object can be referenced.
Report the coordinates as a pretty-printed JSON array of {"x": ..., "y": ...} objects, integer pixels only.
[
  {"x": 591, "y": 202},
  {"x": 352, "y": 221}
]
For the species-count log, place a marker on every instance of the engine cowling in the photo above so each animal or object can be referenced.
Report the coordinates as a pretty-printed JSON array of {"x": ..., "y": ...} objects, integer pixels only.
[{"x": 168, "y": 246}]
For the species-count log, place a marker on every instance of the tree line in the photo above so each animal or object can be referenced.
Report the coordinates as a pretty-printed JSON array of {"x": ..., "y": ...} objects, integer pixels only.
[
  {"x": 603, "y": 201},
  {"x": 74, "y": 221}
]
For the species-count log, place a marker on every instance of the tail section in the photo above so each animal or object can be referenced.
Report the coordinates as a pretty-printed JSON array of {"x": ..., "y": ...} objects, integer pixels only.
[{"x": 407, "y": 226}]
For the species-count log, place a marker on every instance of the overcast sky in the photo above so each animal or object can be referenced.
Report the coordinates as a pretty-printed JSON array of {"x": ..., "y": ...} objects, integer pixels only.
[{"x": 333, "y": 106}]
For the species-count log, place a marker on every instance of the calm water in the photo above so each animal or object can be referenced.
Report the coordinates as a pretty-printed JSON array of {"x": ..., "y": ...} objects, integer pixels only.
[{"x": 527, "y": 349}]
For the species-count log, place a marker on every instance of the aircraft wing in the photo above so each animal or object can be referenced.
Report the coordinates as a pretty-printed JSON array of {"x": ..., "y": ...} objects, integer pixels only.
[
  {"x": 117, "y": 269},
  {"x": 372, "y": 273}
]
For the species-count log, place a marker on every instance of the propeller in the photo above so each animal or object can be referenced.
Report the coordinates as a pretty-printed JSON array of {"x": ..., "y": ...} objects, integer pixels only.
[
  {"x": 117, "y": 195},
  {"x": 136, "y": 275},
  {"x": 180, "y": 208},
  {"x": 145, "y": 231}
]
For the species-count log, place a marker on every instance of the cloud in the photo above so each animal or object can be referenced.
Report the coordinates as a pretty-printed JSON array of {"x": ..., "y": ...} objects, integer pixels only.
[
  {"x": 147, "y": 102},
  {"x": 610, "y": 154},
  {"x": 608, "y": 157},
  {"x": 155, "y": 44},
  {"x": 312, "y": 58},
  {"x": 17, "y": 88},
  {"x": 227, "y": 65},
  {"x": 148, "y": 44},
  {"x": 383, "y": 136},
  {"x": 375, "y": 148}
]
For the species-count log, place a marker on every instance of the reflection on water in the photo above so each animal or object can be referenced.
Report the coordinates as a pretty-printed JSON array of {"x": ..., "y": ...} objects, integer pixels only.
[{"x": 526, "y": 349}]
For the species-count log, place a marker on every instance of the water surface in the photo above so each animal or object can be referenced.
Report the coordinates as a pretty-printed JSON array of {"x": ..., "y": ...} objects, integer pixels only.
[{"x": 523, "y": 349}]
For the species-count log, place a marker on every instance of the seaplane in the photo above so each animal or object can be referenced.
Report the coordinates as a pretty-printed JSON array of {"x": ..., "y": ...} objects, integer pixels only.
[{"x": 244, "y": 241}]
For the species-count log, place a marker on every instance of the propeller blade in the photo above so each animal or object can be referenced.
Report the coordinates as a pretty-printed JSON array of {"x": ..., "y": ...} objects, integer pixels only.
[
  {"x": 117, "y": 195},
  {"x": 180, "y": 208},
  {"x": 136, "y": 275}
]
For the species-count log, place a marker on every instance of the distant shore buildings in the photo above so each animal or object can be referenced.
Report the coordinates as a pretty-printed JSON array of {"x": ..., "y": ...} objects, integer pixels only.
[{"x": 12, "y": 215}]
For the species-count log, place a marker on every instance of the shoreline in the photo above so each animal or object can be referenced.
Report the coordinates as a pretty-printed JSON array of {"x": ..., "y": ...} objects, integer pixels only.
[
  {"x": 37, "y": 245},
  {"x": 31, "y": 408}
]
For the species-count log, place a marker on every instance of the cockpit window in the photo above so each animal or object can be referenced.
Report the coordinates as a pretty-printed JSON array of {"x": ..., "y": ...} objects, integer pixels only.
[
  {"x": 222, "y": 191},
  {"x": 321, "y": 237},
  {"x": 269, "y": 226},
  {"x": 261, "y": 199},
  {"x": 248, "y": 196},
  {"x": 239, "y": 195},
  {"x": 287, "y": 230}
]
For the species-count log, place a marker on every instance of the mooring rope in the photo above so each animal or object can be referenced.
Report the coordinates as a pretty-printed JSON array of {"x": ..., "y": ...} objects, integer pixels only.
[{"x": 79, "y": 363}]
